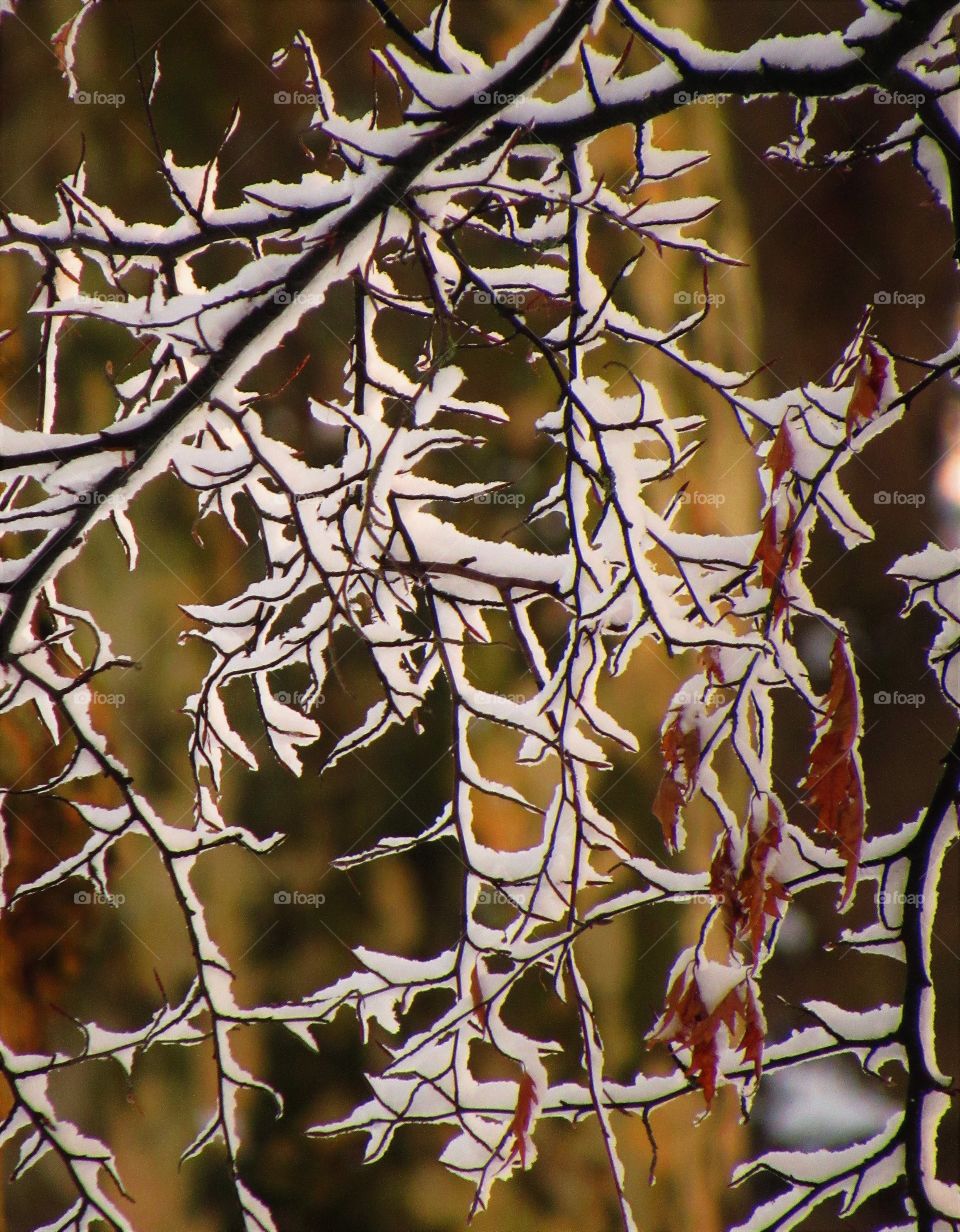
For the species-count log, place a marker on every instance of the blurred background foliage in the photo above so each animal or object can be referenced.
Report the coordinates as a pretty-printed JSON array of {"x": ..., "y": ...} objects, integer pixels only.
[{"x": 817, "y": 248}]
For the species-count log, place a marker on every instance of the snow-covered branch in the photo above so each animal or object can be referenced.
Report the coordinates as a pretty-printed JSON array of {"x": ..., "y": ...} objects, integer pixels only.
[{"x": 476, "y": 220}]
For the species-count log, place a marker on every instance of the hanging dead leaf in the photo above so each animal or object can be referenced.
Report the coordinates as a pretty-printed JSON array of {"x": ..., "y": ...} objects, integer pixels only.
[
  {"x": 520, "y": 1125},
  {"x": 760, "y": 892},
  {"x": 833, "y": 787},
  {"x": 754, "y": 1030},
  {"x": 780, "y": 460},
  {"x": 723, "y": 885},
  {"x": 479, "y": 1004},
  {"x": 680, "y": 748},
  {"x": 779, "y": 550},
  {"x": 750, "y": 896},
  {"x": 689, "y": 1023},
  {"x": 64, "y": 39},
  {"x": 867, "y": 386},
  {"x": 712, "y": 667}
]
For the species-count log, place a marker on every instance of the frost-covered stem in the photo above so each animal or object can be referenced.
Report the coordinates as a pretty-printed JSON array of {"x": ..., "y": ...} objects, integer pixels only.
[
  {"x": 936, "y": 372},
  {"x": 936, "y": 125},
  {"x": 390, "y": 19},
  {"x": 574, "y": 478},
  {"x": 807, "y": 502},
  {"x": 166, "y": 249},
  {"x": 870, "y": 62},
  {"x": 921, "y": 895},
  {"x": 143, "y": 440},
  {"x": 178, "y": 877},
  {"x": 75, "y": 1163},
  {"x": 593, "y": 1063},
  {"x": 358, "y": 543}
]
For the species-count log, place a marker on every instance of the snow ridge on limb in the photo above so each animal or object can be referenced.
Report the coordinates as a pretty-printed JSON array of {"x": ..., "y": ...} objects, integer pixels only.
[{"x": 370, "y": 544}]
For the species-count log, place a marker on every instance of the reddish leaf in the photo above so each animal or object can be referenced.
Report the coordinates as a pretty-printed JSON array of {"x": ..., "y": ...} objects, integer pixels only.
[
  {"x": 760, "y": 893},
  {"x": 667, "y": 803},
  {"x": 680, "y": 749},
  {"x": 479, "y": 1004},
  {"x": 61, "y": 37},
  {"x": 688, "y": 1023},
  {"x": 713, "y": 668},
  {"x": 705, "y": 1059},
  {"x": 867, "y": 386},
  {"x": 781, "y": 457},
  {"x": 833, "y": 787},
  {"x": 754, "y": 1030},
  {"x": 520, "y": 1125},
  {"x": 778, "y": 550},
  {"x": 723, "y": 882},
  {"x": 64, "y": 37},
  {"x": 705, "y": 1042},
  {"x": 768, "y": 553}
]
